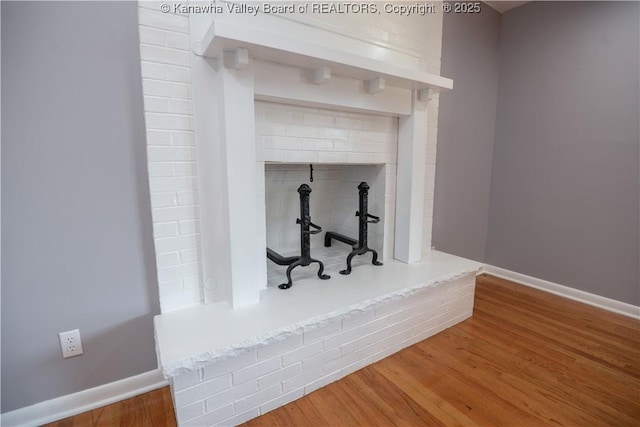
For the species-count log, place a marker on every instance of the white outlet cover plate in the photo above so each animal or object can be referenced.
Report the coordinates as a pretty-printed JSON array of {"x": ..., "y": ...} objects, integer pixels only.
[{"x": 70, "y": 343}]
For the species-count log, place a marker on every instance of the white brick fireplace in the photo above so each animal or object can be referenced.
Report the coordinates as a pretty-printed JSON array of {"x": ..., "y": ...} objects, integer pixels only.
[{"x": 239, "y": 105}]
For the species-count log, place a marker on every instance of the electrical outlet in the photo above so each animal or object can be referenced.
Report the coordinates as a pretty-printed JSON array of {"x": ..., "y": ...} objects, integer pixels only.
[{"x": 71, "y": 343}]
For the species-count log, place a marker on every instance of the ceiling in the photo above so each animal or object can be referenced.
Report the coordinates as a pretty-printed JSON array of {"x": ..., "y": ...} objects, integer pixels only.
[{"x": 503, "y": 6}]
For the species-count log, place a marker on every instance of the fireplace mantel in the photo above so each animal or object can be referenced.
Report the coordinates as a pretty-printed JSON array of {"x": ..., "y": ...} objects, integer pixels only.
[{"x": 302, "y": 47}]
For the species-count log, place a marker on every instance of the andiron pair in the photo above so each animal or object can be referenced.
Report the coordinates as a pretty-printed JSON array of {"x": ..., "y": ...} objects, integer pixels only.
[{"x": 307, "y": 228}]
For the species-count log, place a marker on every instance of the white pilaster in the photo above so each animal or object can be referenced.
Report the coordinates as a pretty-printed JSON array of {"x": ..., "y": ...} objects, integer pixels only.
[
  {"x": 412, "y": 161},
  {"x": 232, "y": 241}
]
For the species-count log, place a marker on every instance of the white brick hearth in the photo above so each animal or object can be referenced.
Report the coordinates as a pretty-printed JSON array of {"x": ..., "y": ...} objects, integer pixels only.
[{"x": 260, "y": 357}]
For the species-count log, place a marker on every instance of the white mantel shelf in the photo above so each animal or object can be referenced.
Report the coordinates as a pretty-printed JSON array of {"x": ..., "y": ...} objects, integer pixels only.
[
  {"x": 304, "y": 52},
  {"x": 191, "y": 338}
]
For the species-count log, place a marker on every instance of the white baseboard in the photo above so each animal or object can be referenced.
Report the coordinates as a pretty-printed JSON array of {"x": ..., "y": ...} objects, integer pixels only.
[
  {"x": 82, "y": 401},
  {"x": 619, "y": 307}
]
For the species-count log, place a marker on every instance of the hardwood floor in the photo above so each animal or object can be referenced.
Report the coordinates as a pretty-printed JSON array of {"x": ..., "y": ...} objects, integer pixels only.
[
  {"x": 525, "y": 358},
  {"x": 153, "y": 409}
]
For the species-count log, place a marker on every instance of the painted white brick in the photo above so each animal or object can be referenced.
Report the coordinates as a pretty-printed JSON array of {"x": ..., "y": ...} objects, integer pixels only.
[
  {"x": 188, "y": 227},
  {"x": 157, "y": 137},
  {"x": 176, "y": 40},
  {"x": 189, "y": 255},
  {"x": 156, "y": 104},
  {"x": 165, "y": 89},
  {"x": 301, "y": 380},
  {"x": 163, "y": 200},
  {"x": 150, "y": 35},
  {"x": 341, "y": 338},
  {"x": 188, "y": 412},
  {"x": 187, "y": 198},
  {"x": 202, "y": 390},
  {"x": 165, "y": 229},
  {"x": 166, "y": 72},
  {"x": 321, "y": 332},
  {"x": 167, "y": 21},
  {"x": 365, "y": 158},
  {"x": 169, "y": 122},
  {"x": 317, "y": 144},
  {"x": 176, "y": 300},
  {"x": 178, "y": 183},
  {"x": 388, "y": 308},
  {"x": 301, "y": 353},
  {"x": 267, "y": 129},
  {"x": 183, "y": 381},
  {"x": 170, "y": 287},
  {"x": 278, "y": 115},
  {"x": 321, "y": 382},
  {"x": 357, "y": 344},
  {"x": 345, "y": 360},
  {"x": 174, "y": 213},
  {"x": 257, "y": 370},
  {"x": 255, "y": 400},
  {"x": 279, "y": 376},
  {"x": 315, "y": 132},
  {"x": 184, "y": 168},
  {"x": 356, "y": 366},
  {"x": 349, "y": 123},
  {"x": 178, "y": 271},
  {"x": 357, "y": 319},
  {"x": 167, "y": 260},
  {"x": 229, "y": 396},
  {"x": 165, "y": 154},
  {"x": 324, "y": 367},
  {"x": 282, "y": 143},
  {"x": 211, "y": 418},
  {"x": 241, "y": 417},
  {"x": 160, "y": 169},
  {"x": 181, "y": 106},
  {"x": 182, "y": 138},
  {"x": 314, "y": 119},
  {"x": 282, "y": 400},
  {"x": 229, "y": 365},
  {"x": 301, "y": 156},
  {"x": 408, "y": 313},
  {"x": 280, "y": 347},
  {"x": 164, "y": 55},
  {"x": 374, "y": 326},
  {"x": 189, "y": 283},
  {"x": 320, "y": 359},
  {"x": 328, "y": 157},
  {"x": 170, "y": 244}
]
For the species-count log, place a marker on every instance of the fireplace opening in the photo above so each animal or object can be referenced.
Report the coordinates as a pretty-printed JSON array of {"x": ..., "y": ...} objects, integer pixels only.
[{"x": 333, "y": 203}]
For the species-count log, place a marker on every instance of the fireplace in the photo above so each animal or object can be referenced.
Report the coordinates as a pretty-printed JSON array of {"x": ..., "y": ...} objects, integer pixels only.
[
  {"x": 269, "y": 97},
  {"x": 360, "y": 138}
]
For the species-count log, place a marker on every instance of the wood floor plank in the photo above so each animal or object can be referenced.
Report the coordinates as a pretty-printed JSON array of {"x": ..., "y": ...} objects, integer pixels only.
[
  {"x": 530, "y": 392},
  {"x": 152, "y": 409},
  {"x": 525, "y": 358},
  {"x": 398, "y": 407}
]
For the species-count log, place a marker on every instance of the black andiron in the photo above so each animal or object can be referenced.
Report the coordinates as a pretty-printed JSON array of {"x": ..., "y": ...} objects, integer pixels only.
[
  {"x": 359, "y": 246},
  {"x": 305, "y": 243}
]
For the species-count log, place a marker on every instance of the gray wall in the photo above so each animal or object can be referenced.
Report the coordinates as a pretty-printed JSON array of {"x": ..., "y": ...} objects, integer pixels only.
[
  {"x": 565, "y": 178},
  {"x": 466, "y": 130},
  {"x": 553, "y": 190},
  {"x": 77, "y": 248}
]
